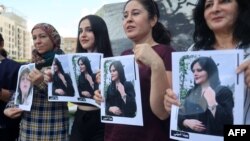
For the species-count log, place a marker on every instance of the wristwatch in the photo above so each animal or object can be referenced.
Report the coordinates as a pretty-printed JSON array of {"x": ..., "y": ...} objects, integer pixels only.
[{"x": 212, "y": 107}]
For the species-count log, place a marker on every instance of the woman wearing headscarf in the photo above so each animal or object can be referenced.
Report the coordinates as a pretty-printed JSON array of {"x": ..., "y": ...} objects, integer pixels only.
[{"x": 46, "y": 121}]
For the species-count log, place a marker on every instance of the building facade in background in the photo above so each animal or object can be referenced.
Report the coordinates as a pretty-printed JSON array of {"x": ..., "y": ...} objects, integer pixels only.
[
  {"x": 17, "y": 38},
  {"x": 68, "y": 44}
]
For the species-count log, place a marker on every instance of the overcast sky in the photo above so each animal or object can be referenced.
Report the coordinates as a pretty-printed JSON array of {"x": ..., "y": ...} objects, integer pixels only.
[{"x": 63, "y": 14}]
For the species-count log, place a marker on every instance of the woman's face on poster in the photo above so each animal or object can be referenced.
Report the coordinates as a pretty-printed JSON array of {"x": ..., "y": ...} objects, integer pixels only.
[
  {"x": 82, "y": 66},
  {"x": 55, "y": 67},
  {"x": 25, "y": 83},
  {"x": 114, "y": 73},
  {"x": 200, "y": 75}
]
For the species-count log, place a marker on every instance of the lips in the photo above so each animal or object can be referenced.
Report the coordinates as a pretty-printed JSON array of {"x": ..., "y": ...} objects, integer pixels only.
[
  {"x": 130, "y": 28},
  {"x": 217, "y": 18},
  {"x": 84, "y": 40}
]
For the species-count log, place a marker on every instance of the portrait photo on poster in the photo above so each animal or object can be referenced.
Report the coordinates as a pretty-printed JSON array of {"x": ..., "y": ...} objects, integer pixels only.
[
  {"x": 210, "y": 92},
  {"x": 24, "y": 89},
  {"x": 120, "y": 88},
  {"x": 73, "y": 77},
  {"x": 85, "y": 68}
]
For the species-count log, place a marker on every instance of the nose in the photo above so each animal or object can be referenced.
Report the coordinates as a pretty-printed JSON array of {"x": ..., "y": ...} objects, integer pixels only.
[
  {"x": 216, "y": 7},
  {"x": 83, "y": 33},
  {"x": 128, "y": 19}
]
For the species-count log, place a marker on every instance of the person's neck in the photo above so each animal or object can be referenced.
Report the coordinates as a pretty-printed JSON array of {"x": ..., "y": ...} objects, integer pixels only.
[
  {"x": 224, "y": 41},
  {"x": 117, "y": 81},
  {"x": 205, "y": 86},
  {"x": 149, "y": 41}
]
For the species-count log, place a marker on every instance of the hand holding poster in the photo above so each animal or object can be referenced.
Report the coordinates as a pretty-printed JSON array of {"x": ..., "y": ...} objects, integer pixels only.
[
  {"x": 24, "y": 90},
  {"x": 74, "y": 77}
]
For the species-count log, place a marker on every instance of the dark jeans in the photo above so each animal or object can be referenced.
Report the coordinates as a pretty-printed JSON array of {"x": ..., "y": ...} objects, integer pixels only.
[
  {"x": 87, "y": 126},
  {"x": 9, "y": 134}
]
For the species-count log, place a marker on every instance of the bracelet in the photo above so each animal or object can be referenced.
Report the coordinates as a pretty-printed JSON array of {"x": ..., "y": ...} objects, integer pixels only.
[{"x": 211, "y": 108}]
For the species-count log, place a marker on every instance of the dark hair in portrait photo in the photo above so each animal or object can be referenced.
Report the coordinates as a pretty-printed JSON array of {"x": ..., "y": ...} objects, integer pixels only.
[
  {"x": 22, "y": 95},
  {"x": 207, "y": 64},
  {"x": 119, "y": 67},
  {"x": 120, "y": 95},
  {"x": 86, "y": 86},
  {"x": 87, "y": 64},
  {"x": 62, "y": 83}
]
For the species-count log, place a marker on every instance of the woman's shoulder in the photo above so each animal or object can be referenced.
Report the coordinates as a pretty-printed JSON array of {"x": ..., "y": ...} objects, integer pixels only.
[
  {"x": 163, "y": 48},
  {"x": 223, "y": 89}
]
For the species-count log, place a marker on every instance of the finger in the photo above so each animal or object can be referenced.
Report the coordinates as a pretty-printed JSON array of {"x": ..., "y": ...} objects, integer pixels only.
[
  {"x": 172, "y": 98},
  {"x": 36, "y": 71},
  {"x": 243, "y": 66}
]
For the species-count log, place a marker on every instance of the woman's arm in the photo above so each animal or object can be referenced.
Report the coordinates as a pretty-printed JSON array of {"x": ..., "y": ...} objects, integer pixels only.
[{"x": 160, "y": 80}]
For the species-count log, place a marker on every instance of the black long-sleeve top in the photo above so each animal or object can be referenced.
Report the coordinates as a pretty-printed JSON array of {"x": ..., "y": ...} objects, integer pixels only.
[
  {"x": 114, "y": 99},
  {"x": 58, "y": 84},
  {"x": 195, "y": 107}
]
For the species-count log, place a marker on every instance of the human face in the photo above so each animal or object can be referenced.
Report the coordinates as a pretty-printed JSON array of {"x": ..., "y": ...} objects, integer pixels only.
[
  {"x": 41, "y": 41},
  {"x": 114, "y": 73},
  {"x": 86, "y": 35},
  {"x": 200, "y": 75},
  {"x": 221, "y": 15},
  {"x": 82, "y": 66},
  {"x": 25, "y": 84},
  {"x": 136, "y": 24}
]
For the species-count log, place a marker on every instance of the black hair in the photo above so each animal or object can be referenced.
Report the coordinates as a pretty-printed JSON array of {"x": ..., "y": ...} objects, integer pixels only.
[
  {"x": 207, "y": 64},
  {"x": 86, "y": 62},
  {"x": 102, "y": 42},
  {"x": 204, "y": 37},
  {"x": 119, "y": 68},
  {"x": 159, "y": 32},
  {"x": 59, "y": 66}
]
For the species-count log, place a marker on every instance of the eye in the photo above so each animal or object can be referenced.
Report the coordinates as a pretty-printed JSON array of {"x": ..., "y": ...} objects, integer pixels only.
[
  {"x": 88, "y": 29},
  {"x": 198, "y": 70},
  {"x": 125, "y": 15},
  {"x": 80, "y": 30},
  {"x": 208, "y": 5},
  {"x": 34, "y": 37},
  {"x": 135, "y": 13}
]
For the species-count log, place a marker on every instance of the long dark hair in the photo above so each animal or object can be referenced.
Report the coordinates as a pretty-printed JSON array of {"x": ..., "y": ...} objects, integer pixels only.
[
  {"x": 59, "y": 66},
  {"x": 204, "y": 37},
  {"x": 86, "y": 62},
  {"x": 3, "y": 52},
  {"x": 159, "y": 32},
  {"x": 207, "y": 64},
  {"x": 102, "y": 42},
  {"x": 119, "y": 68}
]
